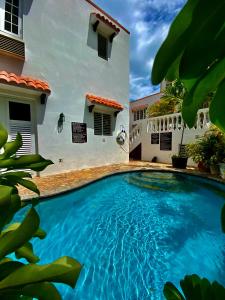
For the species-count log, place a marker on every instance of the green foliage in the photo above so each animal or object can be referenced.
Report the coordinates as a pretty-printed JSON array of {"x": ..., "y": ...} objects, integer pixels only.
[
  {"x": 161, "y": 108},
  {"x": 194, "y": 288},
  {"x": 209, "y": 149},
  {"x": 194, "y": 52},
  {"x": 25, "y": 280},
  {"x": 170, "y": 102}
]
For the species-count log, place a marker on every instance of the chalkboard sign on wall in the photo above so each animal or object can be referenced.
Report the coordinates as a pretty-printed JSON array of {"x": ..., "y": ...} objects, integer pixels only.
[
  {"x": 166, "y": 141},
  {"x": 155, "y": 138},
  {"x": 79, "y": 132}
]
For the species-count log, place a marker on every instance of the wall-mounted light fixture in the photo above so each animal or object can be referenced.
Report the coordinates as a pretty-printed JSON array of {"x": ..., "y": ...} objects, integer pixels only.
[{"x": 61, "y": 120}]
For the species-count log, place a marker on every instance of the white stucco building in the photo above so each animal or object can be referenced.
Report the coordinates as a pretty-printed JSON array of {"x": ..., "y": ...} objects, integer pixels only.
[
  {"x": 159, "y": 138},
  {"x": 61, "y": 64}
]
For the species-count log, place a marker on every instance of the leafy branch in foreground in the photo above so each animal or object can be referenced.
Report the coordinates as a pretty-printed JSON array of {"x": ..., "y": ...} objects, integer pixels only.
[
  {"x": 25, "y": 280},
  {"x": 194, "y": 52}
]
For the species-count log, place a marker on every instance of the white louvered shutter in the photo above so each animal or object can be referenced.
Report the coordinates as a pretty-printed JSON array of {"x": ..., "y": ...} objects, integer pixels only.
[{"x": 24, "y": 128}]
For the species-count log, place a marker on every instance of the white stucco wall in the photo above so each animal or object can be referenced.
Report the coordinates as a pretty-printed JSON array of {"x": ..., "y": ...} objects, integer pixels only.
[
  {"x": 138, "y": 103},
  {"x": 61, "y": 49},
  {"x": 164, "y": 156}
]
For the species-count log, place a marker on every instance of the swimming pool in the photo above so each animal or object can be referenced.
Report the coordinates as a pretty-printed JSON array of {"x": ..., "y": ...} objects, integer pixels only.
[{"x": 135, "y": 231}]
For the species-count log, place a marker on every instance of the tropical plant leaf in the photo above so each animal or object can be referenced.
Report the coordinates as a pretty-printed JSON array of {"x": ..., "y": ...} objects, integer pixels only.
[
  {"x": 34, "y": 162},
  {"x": 41, "y": 291},
  {"x": 9, "y": 204},
  {"x": 218, "y": 291},
  {"x": 26, "y": 251},
  {"x": 12, "y": 180},
  {"x": 217, "y": 115},
  {"x": 191, "y": 287},
  {"x": 20, "y": 174},
  {"x": 11, "y": 148},
  {"x": 65, "y": 270},
  {"x": 13, "y": 240},
  {"x": 171, "y": 292},
  {"x": 7, "y": 268},
  {"x": 3, "y": 136},
  {"x": 40, "y": 233},
  {"x": 174, "y": 44},
  {"x": 195, "y": 60}
]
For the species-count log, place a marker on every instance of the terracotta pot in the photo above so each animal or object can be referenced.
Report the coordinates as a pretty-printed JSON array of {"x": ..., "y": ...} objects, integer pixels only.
[{"x": 202, "y": 167}]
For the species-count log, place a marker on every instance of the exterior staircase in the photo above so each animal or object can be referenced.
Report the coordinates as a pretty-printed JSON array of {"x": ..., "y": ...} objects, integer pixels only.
[{"x": 135, "y": 136}]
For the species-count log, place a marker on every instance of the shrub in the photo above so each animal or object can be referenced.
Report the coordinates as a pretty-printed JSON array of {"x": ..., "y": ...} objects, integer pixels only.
[{"x": 25, "y": 280}]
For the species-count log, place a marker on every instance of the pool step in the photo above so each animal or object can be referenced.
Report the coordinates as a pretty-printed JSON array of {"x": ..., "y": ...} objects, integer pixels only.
[{"x": 160, "y": 182}]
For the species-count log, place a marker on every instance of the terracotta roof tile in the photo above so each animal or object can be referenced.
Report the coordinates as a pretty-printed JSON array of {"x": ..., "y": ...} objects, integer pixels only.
[
  {"x": 23, "y": 81},
  {"x": 139, "y": 107},
  {"x": 104, "y": 101},
  {"x": 107, "y": 22}
]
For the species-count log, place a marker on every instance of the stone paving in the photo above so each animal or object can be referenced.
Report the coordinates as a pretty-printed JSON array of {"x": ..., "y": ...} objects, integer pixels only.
[{"x": 54, "y": 184}]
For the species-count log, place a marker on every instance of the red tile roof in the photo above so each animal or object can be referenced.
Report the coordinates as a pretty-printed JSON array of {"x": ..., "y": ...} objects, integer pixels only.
[
  {"x": 104, "y": 101},
  {"x": 139, "y": 107},
  {"x": 107, "y": 22},
  {"x": 108, "y": 16},
  {"x": 23, "y": 81}
]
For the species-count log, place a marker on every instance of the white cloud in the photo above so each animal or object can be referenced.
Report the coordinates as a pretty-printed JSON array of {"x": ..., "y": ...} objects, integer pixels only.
[{"x": 148, "y": 22}]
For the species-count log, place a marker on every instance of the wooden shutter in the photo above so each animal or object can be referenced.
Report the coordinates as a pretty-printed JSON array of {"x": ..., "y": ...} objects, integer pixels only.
[
  {"x": 102, "y": 46},
  {"x": 107, "y": 124},
  {"x": 24, "y": 128},
  {"x": 97, "y": 123}
]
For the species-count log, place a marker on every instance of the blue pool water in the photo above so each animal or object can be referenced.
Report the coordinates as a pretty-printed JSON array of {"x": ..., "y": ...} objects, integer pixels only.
[{"x": 135, "y": 231}]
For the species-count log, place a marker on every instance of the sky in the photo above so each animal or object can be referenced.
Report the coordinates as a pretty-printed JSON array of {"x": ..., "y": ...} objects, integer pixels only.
[{"x": 148, "y": 21}]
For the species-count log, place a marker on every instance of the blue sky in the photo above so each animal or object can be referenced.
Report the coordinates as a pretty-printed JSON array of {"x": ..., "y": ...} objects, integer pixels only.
[{"x": 148, "y": 21}]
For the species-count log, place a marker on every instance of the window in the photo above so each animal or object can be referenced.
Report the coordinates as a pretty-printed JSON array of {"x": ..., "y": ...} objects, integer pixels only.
[
  {"x": 19, "y": 111},
  {"x": 141, "y": 114},
  {"x": 145, "y": 110},
  {"x": 135, "y": 116},
  {"x": 102, "y": 124},
  {"x": 138, "y": 115},
  {"x": 20, "y": 121},
  {"x": 10, "y": 16},
  {"x": 102, "y": 46}
]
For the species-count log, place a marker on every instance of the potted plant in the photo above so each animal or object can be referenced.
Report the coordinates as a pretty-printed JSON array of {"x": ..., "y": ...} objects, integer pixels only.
[
  {"x": 180, "y": 161},
  {"x": 222, "y": 169},
  {"x": 209, "y": 150},
  {"x": 214, "y": 165}
]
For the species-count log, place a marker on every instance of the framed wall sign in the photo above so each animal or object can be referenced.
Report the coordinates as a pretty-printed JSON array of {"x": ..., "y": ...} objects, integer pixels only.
[
  {"x": 155, "y": 138},
  {"x": 166, "y": 141},
  {"x": 79, "y": 132}
]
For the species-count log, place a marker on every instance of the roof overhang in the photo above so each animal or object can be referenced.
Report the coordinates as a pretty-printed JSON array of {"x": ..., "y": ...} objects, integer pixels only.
[
  {"x": 104, "y": 25},
  {"x": 94, "y": 101},
  {"x": 11, "y": 81},
  {"x": 139, "y": 107}
]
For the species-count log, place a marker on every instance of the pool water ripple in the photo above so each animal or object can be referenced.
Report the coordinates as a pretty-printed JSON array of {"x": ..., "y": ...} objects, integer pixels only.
[{"x": 133, "y": 232}]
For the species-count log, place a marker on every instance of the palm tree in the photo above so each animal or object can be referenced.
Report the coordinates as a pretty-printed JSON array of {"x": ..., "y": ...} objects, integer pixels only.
[{"x": 174, "y": 94}]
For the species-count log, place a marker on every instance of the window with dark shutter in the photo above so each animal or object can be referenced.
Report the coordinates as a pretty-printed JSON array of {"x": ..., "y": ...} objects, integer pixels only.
[
  {"x": 102, "y": 124},
  {"x": 102, "y": 46}
]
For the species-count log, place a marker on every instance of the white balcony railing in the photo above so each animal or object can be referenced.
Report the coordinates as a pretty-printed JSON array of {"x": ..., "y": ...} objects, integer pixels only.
[{"x": 174, "y": 122}]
